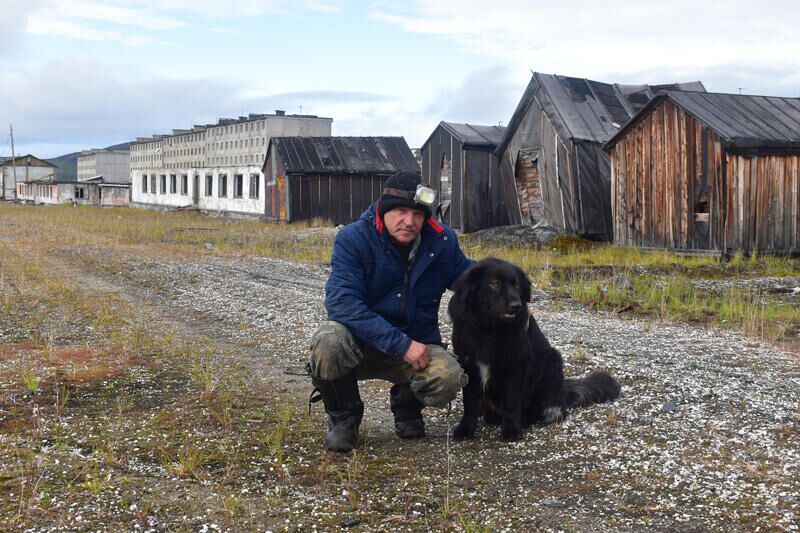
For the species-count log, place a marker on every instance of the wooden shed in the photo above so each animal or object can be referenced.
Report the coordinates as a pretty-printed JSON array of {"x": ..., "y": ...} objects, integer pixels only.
[
  {"x": 552, "y": 165},
  {"x": 709, "y": 171},
  {"x": 458, "y": 160},
  {"x": 334, "y": 178}
]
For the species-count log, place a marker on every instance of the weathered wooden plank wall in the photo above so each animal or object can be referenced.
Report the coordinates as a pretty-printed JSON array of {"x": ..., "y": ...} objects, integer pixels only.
[
  {"x": 476, "y": 199},
  {"x": 338, "y": 198},
  {"x": 457, "y": 180},
  {"x": 764, "y": 202},
  {"x": 674, "y": 185},
  {"x": 441, "y": 147},
  {"x": 661, "y": 193}
]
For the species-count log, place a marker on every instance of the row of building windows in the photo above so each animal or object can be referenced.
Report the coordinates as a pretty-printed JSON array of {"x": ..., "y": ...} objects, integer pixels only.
[
  {"x": 216, "y": 131},
  {"x": 185, "y": 151},
  {"x": 42, "y": 191},
  {"x": 145, "y": 146},
  {"x": 180, "y": 139},
  {"x": 239, "y": 143},
  {"x": 142, "y": 158},
  {"x": 224, "y": 145},
  {"x": 160, "y": 186},
  {"x": 237, "y": 159},
  {"x": 241, "y": 158},
  {"x": 238, "y": 128},
  {"x": 46, "y": 191},
  {"x": 249, "y": 159}
]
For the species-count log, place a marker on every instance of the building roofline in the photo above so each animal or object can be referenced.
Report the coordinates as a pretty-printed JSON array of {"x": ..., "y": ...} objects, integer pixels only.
[{"x": 742, "y": 143}]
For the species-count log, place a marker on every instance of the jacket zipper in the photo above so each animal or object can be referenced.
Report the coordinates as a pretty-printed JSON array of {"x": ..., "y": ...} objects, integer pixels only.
[{"x": 405, "y": 286}]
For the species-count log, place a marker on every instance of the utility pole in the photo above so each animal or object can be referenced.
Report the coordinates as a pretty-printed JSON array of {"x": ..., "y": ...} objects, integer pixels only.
[{"x": 13, "y": 160}]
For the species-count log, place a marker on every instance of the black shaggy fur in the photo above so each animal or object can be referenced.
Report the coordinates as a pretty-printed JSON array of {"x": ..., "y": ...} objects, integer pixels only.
[{"x": 515, "y": 377}]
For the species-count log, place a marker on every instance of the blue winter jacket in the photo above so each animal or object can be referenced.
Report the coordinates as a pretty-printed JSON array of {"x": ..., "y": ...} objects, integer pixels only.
[{"x": 370, "y": 292}]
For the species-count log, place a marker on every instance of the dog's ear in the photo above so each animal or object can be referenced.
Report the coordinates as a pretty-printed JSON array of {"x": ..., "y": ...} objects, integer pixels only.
[
  {"x": 524, "y": 286},
  {"x": 463, "y": 293}
]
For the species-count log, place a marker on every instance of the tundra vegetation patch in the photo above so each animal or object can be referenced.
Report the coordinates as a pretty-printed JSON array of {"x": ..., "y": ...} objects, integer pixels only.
[{"x": 151, "y": 379}]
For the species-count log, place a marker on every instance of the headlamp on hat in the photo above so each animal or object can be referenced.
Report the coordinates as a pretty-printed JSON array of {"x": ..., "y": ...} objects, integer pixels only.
[{"x": 423, "y": 195}]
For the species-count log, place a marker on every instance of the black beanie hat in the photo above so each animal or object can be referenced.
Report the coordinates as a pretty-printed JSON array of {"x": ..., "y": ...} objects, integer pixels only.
[{"x": 404, "y": 181}]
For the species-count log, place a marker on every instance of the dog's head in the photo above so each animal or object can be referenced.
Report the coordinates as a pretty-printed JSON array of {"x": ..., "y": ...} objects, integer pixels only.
[{"x": 491, "y": 292}]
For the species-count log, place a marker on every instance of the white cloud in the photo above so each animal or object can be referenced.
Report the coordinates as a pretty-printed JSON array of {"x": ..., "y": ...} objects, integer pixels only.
[
  {"x": 104, "y": 12},
  {"x": 235, "y": 8},
  {"x": 594, "y": 38},
  {"x": 123, "y": 20},
  {"x": 42, "y": 25},
  {"x": 486, "y": 96},
  {"x": 97, "y": 105},
  {"x": 15, "y": 15}
]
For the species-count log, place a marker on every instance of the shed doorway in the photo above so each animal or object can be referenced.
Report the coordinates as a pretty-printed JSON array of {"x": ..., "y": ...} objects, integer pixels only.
[
  {"x": 529, "y": 188},
  {"x": 445, "y": 189}
]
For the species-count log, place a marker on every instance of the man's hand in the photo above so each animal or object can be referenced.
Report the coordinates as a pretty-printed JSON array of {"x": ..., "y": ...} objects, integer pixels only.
[{"x": 417, "y": 356}]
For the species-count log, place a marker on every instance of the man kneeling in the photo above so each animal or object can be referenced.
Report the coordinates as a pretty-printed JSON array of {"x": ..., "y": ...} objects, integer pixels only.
[{"x": 389, "y": 271}]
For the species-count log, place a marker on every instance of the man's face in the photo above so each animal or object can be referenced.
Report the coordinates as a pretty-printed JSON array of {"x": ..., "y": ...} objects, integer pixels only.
[{"x": 404, "y": 224}]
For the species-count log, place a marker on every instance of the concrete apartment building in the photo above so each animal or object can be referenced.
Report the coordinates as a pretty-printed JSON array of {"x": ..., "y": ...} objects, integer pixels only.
[
  {"x": 113, "y": 165},
  {"x": 215, "y": 167}
]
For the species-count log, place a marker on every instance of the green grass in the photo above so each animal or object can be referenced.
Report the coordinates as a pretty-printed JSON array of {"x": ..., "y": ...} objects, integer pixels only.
[
  {"x": 603, "y": 276},
  {"x": 659, "y": 284}
]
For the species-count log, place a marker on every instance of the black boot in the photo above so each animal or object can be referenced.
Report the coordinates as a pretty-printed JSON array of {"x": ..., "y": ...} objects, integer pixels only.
[
  {"x": 407, "y": 410},
  {"x": 344, "y": 408}
]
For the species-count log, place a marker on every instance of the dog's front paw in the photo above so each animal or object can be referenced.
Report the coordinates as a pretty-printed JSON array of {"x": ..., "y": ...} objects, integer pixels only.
[
  {"x": 492, "y": 419},
  {"x": 511, "y": 433},
  {"x": 463, "y": 432}
]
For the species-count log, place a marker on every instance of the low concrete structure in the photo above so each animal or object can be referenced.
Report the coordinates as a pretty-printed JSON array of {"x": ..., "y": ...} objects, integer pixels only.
[
  {"x": 90, "y": 192},
  {"x": 22, "y": 169},
  {"x": 52, "y": 192},
  {"x": 111, "y": 194}
]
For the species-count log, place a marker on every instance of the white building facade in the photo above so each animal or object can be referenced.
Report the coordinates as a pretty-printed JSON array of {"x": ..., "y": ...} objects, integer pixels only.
[{"x": 214, "y": 167}]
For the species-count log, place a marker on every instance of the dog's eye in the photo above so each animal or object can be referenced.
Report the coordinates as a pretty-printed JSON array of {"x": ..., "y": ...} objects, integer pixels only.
[{"x": 494, "y": 285}]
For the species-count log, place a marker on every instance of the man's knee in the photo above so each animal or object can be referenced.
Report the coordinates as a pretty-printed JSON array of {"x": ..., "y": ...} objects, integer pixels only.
[
  {"x": 334, "y": 351},
  {"x": 440, "y": 383}
]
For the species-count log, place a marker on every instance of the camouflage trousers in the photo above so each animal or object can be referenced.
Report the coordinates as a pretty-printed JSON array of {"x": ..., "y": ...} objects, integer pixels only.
[{"x": 335, "y": 352}]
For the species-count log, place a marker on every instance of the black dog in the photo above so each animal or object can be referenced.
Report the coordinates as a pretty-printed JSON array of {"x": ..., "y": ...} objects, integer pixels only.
[{"x": 515, "y": 376}]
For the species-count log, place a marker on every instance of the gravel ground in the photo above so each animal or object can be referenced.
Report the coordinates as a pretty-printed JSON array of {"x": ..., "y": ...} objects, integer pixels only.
[{"x": 706, "y": 435}]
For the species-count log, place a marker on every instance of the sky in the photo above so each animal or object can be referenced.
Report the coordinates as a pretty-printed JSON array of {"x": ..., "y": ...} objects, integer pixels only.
[{"x": 80, "y": 74}]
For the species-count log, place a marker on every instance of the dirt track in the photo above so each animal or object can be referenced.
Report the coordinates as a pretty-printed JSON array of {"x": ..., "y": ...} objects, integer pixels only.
[{"x": 705, "y": 437}]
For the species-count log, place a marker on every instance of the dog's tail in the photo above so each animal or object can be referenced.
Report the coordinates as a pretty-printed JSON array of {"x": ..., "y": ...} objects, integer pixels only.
[{"x": 597, "y": 387}]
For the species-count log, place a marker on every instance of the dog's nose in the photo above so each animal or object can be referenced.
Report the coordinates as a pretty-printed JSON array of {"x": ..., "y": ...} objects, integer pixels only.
[{"x": 514, "y": 307}]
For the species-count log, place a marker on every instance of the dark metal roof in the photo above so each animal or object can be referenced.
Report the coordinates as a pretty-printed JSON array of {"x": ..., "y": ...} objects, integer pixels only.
[
  {"x": 103, "y": 182},
  {"x": 474, "y": 134},
  {"x": 348, "y": 155},
  {"x": 23, "y": 160},
  {"x": 742, "y": 121},
  {"x": 586, "y": 109}
]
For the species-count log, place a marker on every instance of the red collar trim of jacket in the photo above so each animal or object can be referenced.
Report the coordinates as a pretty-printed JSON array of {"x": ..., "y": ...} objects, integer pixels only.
[
  {"x": 378, "y": 218},
  {"x": 435, "y": 225}
]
